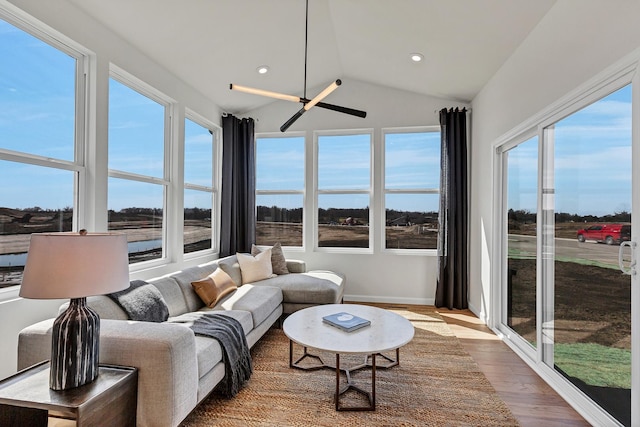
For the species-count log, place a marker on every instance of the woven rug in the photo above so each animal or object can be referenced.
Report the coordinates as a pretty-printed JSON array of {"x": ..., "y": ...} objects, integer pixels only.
[{"x": 436, "y": 384}]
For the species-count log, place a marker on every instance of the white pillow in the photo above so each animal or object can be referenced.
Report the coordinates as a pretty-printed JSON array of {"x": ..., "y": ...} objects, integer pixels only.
[{"x": 255, "y": 268}]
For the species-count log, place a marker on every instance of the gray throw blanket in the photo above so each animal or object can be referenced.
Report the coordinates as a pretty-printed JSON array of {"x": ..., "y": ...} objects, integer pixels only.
[
  {"x": 142, "y": 301},
  {"x": 235, "y": 350}
]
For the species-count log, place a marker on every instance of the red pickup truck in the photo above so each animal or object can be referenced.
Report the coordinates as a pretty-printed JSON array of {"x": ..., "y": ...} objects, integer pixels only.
[{"x": 607, "y": 233}]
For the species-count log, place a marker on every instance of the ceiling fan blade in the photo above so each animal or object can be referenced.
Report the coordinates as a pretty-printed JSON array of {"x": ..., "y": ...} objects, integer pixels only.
[
  {"x": 292, "y": 120},
  {"x": 340, "y": 109},
  {"x": 267, "y": 93}
]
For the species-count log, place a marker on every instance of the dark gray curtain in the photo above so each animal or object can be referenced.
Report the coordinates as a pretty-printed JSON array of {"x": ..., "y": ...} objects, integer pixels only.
[
  {"x": 238, "y": 204},
  {"x": 453, "y": 275}
]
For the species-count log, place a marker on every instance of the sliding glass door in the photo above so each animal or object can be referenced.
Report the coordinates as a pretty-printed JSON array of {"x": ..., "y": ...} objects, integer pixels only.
[
  {"x": 567, "y": 225},
  {"x": 591, "y": 299}
]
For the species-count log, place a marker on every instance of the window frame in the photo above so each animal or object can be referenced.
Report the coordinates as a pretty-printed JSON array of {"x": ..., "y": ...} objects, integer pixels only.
[
  {"x": 412, "y": 191},
  {"x": 368, "y": 191},
  {"x": 214, "y": 189},
  {"x": 123, "y": 77},
  {"x": 83, "y": 62},
  {"x": 282, "y": 192}
]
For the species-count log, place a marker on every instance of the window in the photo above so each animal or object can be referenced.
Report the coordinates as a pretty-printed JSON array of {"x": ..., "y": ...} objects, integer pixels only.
[
  {"x": 279, "y": 189},
  {"x": 412, "y": 182},
  {"x": 137, "y": 182},
  {"x": 39, "y": 162},
  {"x": 199, "y": 190},
  {"x": 344, "y": 190}
]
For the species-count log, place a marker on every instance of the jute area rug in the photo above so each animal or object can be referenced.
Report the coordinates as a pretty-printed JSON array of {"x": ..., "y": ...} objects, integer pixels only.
[{"x": 436, "y": 384}]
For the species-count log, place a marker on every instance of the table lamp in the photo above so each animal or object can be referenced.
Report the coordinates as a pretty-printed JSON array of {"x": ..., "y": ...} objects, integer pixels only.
[{"x": 75, "y": 266}]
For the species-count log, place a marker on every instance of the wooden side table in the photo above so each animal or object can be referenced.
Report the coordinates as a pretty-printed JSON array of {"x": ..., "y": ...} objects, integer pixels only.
[{"x": 111, "y": 399}]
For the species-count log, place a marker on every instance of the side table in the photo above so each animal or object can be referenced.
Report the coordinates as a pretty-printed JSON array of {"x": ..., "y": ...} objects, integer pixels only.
[{"x": 111, "y": 399}]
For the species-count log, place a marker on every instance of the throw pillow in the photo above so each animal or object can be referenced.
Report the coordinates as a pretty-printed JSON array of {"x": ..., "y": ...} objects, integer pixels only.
[
  {"x": 142, "y": 301},
  {"x": 255, "y": 268},
  {"x": 278, "y": 261},
  {"x": 212, "y": 288}
]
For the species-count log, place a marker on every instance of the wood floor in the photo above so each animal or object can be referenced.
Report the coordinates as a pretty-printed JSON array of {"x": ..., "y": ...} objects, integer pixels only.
[{"x": 531, "y": 400}]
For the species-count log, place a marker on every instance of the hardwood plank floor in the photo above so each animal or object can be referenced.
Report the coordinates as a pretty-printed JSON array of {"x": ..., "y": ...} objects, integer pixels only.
[{"x": 531, "y": 400}]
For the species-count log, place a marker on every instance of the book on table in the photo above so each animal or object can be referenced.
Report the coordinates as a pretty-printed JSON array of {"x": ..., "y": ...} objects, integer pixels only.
[{"x": 345, "y": 321}]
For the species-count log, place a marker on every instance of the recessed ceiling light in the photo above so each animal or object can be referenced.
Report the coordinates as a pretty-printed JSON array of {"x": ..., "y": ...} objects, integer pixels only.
[
  {"x": 416, "y": 57},
  {"x": 263, "y": 69}
]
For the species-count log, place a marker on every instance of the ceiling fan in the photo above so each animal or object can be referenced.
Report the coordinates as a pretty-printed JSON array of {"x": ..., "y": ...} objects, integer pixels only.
[{"x": 308, "y": 103}]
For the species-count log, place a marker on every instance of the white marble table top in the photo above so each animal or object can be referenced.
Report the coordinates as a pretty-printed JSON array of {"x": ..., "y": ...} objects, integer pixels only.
[{"x": 387, "y": 331}]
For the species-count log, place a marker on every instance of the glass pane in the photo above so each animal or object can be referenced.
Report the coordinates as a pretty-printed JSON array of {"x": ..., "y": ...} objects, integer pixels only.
[
  {"x": 344, "y": 162},
  {"x": 198, "y": 154},
  {"x": 279, "y": 219},
  {"x": 280, "y": 163},
  {"x": 197, "y": 220},
  {"x": 136, "y": 208},
  {"x": 33, "y": 199},
  {"x": 412, "y": 160},
  {"x": 522, "y": 202},
  {"x": 37, "y": 100},
  {"x": 412, "y": 221},
  {"x": 136, "y": 132},
  {"x": 343, "y": 220},
  {"x": 592, "y": 299}
]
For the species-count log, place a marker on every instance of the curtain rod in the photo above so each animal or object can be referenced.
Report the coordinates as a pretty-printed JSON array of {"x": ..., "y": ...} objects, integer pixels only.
[{"x": 466, "y": 108}]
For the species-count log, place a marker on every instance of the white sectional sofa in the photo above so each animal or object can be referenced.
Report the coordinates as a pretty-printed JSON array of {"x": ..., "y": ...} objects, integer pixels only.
[{"x": 177, "y": 369}]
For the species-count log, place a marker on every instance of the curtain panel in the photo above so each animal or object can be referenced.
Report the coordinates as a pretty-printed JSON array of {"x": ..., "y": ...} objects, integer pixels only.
[
  {"x": 453, "y": 274},
  {"x": 238, "y": 210}
]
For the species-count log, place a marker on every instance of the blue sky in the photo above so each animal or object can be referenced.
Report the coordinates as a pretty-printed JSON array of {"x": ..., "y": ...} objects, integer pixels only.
[
  {"x": 592, "y": 164},
  {"x": 592, "y": 157}
]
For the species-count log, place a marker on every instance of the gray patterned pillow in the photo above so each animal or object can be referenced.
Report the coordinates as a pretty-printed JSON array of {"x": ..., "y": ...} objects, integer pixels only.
[{"x": 278, "y": 261}]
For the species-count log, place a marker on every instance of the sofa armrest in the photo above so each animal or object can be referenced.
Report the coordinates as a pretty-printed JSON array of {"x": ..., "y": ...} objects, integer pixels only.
[
  {"x": 164, "y": 354},
  {"x": 296, "y": 266}
]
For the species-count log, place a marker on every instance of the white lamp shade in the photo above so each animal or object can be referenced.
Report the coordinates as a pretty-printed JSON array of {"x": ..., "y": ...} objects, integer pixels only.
[{"x": 71, "y": 265}]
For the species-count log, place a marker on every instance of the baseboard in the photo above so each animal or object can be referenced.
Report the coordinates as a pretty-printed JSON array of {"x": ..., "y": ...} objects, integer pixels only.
[{"x": 389, "y": 300}]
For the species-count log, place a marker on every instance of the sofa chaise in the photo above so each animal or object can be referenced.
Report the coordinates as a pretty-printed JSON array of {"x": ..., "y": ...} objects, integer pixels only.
[{"x": 177, "y": 369}]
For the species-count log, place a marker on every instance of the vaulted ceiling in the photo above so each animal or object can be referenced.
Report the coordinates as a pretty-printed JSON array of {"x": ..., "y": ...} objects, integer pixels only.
[{"x": 211, "y": 43}]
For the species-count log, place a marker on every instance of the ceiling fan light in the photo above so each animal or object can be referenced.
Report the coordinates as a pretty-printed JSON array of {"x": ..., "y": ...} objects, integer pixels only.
[
  {"x": 319, "y": 97},
  {"x": 266, "y": 93}
]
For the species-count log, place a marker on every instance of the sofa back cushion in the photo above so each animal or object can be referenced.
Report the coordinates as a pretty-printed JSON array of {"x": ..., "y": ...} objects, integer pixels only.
[
  {"x": 172, "y": 294},
  {"x": 231, "y": 266}
]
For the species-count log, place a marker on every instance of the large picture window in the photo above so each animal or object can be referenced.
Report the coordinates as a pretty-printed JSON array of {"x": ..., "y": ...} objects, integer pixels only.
[
  {"x": 39, "y": 164},
  {"x": 412, "y": 182},
  {"x": 199, "y": 190},
  {"x": 344, "y": 190},
  {"x": 137, "y": 177},
  {"x": 279, "y": 189}
]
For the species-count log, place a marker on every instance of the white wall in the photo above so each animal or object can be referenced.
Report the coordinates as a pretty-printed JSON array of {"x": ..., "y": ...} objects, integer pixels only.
[
  {"x": 380, "y": 276},
  {"x": 574, "y": 42},
  {"x": 106, "y": 48}
]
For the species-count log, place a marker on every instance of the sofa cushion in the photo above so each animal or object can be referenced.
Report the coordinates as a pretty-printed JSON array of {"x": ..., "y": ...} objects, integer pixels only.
[
  {"x": 260, "y": 301},
  {"x": 208, "y": 350},
  {"x": 278, "y": 261},
  {"x": 231, "y": 266},
  {"x": 314, "y": 287},
  {"x": 213, "y": 287},
  {"x": 255, "y": 268},
  {"x": 172, "y": 295},
  {"x": 184, "y": 279}
]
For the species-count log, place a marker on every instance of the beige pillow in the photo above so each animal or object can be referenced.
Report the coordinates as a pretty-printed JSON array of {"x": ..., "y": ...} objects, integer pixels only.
[
  {"x": 278, "y": 261},
  {"x": 255, "y": 268},
  {"x": 212, "y": 288}
]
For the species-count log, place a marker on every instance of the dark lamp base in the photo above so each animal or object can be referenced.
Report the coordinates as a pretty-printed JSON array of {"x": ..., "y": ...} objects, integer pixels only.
[{"x": 75, "y": 346}]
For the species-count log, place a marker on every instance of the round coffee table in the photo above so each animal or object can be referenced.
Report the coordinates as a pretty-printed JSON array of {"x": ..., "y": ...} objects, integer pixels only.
[{"x": 388, "y": 331}]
